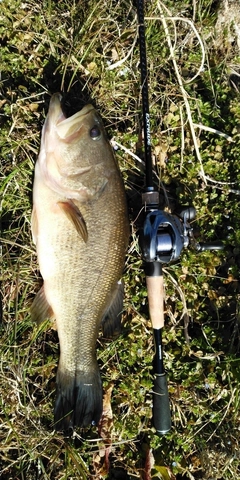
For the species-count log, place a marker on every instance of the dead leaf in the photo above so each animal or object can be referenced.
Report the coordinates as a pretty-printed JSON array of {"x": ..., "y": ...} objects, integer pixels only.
[
  {"x": 101, "y": 462},
  {"x": 149, "y": 463},
  {"x": 164, "y": 473}
]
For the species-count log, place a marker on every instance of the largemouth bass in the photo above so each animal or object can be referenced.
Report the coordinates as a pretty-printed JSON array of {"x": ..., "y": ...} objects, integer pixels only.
[{"x": 80, "y": 228}]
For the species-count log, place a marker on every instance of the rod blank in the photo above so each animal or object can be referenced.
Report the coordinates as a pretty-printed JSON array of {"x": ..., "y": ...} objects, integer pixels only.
[{"x": 145, "y": 103}]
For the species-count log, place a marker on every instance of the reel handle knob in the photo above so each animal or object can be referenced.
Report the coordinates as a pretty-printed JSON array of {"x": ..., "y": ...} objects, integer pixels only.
[
  {"x": 188, "y": 214},
  {"x": 202, "y": 247}
]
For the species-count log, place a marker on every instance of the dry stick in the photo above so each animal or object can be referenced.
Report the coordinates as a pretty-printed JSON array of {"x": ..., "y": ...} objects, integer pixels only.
[
  {"x": 201, "y": 68},
  {"x": 184, "y": 20},
  {"x": 122, "y": 60},
  {"x": 114, "y": 144},
  {"x": 200, "y": 126},
  {"x": 185, "y": 314},
  {"x": 213, "y": 130},
  {"x": 182, "y": 138}
]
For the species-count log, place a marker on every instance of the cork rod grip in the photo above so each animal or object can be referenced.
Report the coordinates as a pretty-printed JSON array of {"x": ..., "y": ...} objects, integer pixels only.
[{"x": 161, "y": 406}]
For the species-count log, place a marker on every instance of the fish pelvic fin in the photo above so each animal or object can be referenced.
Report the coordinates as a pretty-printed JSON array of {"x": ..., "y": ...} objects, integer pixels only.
[
  {"x": 111, "y": 321},
  {"x": 78, "y": 400},
  {"x": 40, "y": 308},
  {"x": 74, "y": 215},
  {"x": 34, "y": 225}
]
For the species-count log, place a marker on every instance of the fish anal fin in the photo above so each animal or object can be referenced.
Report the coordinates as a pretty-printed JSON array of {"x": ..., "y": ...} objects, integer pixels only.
[
  {"x": 74, "y": 215},
  {"x": 111, "y": 321},
  {"x": 40, "y": 308}
]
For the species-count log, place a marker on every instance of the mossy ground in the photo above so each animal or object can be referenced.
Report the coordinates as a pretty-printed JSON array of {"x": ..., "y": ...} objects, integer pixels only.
[{"x": 88, "y": 50}]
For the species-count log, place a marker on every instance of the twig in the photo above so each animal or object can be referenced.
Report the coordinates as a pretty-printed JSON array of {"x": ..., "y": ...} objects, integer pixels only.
[
  {"x": 125, "y": 149},
  {"x": 122, "y": 60},
  {"x": 224, "y": 415},
  {"x": 185, "y": 315},
  {"x": 213, "y": 130},
  {"x": 182, "y": 138}
]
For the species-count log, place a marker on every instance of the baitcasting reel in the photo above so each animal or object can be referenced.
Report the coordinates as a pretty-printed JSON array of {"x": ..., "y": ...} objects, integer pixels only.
[{"x": 165, "y": 235}]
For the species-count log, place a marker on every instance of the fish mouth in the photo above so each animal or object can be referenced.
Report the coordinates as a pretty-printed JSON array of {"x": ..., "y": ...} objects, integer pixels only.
[{"x": 66, "y": 127}]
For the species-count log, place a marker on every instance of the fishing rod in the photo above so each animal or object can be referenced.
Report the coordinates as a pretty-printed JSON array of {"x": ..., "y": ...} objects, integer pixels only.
[
  {"x": 161, "y": 239},
  {"x": 152, "y": 265}
]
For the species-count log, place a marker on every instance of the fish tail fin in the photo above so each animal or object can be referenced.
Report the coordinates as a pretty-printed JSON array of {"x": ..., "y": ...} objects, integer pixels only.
[{"x": 78, "y": 400}]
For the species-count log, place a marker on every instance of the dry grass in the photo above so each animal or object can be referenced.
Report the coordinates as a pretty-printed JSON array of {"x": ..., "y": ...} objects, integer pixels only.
[{"x": 88, "y": 50}]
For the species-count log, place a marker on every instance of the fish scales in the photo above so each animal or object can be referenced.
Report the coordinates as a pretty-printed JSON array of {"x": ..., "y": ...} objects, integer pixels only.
[{"x": 80, "y": 227}]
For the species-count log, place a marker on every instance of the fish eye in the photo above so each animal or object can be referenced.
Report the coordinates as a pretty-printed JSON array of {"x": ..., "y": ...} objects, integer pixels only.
[{"x": 95, "y": 132}]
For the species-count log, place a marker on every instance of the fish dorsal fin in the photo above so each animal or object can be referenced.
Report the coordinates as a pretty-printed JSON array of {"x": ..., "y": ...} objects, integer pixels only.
[
  {"x": 40, "y": 309},
  {"x": 111, "y": 321},
  {"x": 74, "y": 215}
]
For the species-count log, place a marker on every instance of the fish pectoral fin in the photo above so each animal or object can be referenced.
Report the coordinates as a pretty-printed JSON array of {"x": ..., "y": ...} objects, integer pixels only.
[
  {"x": 34, "y": 225},
  {"x": 111, "y": 321},
  {"x": 40, "y": 309},
  {"x": 74, "y": 215}
]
